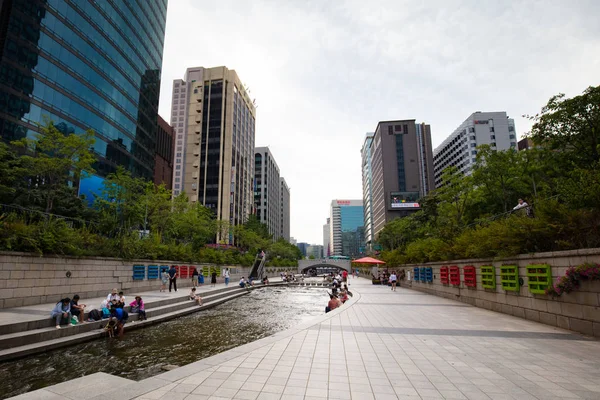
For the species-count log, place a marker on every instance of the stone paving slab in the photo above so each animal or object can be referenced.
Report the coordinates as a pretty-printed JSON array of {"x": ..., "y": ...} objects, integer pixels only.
[{"x": 392, "y": 345}]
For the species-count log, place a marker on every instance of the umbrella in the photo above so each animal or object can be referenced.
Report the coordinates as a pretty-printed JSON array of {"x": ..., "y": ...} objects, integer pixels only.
[{"x": 368, "y": 260}]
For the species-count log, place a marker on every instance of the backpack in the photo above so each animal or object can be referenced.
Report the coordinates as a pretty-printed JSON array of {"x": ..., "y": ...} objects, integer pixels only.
[{"x": 95, "y": 315}]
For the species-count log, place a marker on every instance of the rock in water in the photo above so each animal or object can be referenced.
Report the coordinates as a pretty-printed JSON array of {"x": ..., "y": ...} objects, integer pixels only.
[{"x": 169, "y": 367}]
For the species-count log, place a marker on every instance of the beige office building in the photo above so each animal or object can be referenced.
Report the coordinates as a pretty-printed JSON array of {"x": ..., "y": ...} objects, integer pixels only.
[{"x": 214, "y": 156}]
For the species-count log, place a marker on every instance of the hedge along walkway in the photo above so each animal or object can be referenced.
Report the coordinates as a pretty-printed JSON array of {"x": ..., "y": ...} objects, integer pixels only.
[{"x": 383, "y": 345}]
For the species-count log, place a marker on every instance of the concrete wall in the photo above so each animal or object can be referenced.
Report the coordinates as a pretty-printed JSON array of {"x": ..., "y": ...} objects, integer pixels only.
[
  {"x": 578, "y": 311},
  {"x": 27, "y": 279}
]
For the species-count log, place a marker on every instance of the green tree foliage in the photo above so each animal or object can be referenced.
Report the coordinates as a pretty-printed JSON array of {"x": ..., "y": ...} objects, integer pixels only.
[
  {"x": 571, "y": 126},
  {"x": 282, "y": 249},
  {"x": 56, "y": 161}
]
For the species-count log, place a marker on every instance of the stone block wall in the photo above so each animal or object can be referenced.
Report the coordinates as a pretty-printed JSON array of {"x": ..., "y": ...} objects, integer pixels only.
[
  {"x": 27, "y": 279},
  {"x": 578, "y": 311}
]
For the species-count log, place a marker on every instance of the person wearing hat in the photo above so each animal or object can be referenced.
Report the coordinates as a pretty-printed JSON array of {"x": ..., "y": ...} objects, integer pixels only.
[{"x": 113, "y": 295}]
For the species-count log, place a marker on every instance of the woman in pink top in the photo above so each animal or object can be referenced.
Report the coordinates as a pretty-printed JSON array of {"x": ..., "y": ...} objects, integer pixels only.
[{"x": 137, "y": 306}]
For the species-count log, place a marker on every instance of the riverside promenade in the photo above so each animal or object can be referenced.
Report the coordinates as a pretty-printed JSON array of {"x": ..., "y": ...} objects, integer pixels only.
[{"x": 381, "y": 345}]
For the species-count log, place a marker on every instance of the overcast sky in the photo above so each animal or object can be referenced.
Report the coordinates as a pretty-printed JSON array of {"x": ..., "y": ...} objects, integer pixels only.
[{"x": 325, "y": 72}]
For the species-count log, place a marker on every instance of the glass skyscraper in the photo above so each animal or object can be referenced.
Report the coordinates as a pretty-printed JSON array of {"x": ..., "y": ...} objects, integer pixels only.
[
  {"x": 85, "y": 64},
  {"x": 347, "y": 237}
]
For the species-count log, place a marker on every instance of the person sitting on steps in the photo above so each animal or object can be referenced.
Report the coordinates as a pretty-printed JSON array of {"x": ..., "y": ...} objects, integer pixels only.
[
  {"x": 78, "y": 310},
  {"x": 137, "y": 306},
  {"x": 61, "y": 310},
  {"x": 195, "y": 297}
]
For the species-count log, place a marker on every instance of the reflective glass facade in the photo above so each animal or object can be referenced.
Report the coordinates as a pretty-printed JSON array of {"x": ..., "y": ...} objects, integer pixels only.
[{"x": 85, "y": 64}]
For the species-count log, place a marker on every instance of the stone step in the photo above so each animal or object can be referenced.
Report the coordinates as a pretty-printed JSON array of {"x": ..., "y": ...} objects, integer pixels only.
[
  {"x": 49, "y": 333},
  {"x": 47, "y": 322},
  {"x": 53, "y": 338}
]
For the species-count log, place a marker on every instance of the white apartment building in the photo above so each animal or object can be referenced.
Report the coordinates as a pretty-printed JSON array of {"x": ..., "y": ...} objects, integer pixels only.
[
  {"x": 459, "y": 149},
  {"x": 367, "y": 188}
]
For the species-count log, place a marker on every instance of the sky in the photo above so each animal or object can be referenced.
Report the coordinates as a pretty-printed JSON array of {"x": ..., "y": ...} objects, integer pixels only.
[{"x": 324, "y": 73}]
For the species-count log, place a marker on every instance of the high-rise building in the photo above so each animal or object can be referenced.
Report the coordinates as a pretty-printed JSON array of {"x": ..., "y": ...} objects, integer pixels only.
[
  {"x": 326, "y": 238},
  {"x": 346, "y": 228},
  {"x": 267, "y": 196},
  {"x": 85, "y": 65},
  {"x": 163, "y": 158},
  {"x": 314, "y": 251},
  {"x": 303, "y": 247},
  {"x": 459, "y": 149},
  {"x": 425, "y": 158},
  {"x": 214, "y": 119},
  {"x": 367, "y": 189},
  {"x": 284, "y": 205},
  {"x": 400, "y": 153}
]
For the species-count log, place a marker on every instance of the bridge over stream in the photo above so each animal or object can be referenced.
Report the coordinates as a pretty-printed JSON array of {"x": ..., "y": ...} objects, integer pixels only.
[{"x": 324, "y": 264}]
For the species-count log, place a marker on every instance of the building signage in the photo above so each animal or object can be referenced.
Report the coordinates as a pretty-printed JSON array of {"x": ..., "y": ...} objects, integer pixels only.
[
  {"x": 343, "y": 202},
  {"x": 404, "y": 200},
  {"x": 480, "y": 122},
  {"x": 405, "y": 205}
]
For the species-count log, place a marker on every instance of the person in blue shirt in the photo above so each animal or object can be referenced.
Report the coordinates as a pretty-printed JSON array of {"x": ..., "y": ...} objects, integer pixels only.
[
  {"x": 61, "y": 310},
  {"x": 121, "y": 316},
  {"x": 172, "y": 278}
]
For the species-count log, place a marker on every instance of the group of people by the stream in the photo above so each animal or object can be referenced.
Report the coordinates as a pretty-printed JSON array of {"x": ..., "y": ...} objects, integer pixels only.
[
  {"x": 72, "y": 312},
  {"x": 339, "y": 290}
]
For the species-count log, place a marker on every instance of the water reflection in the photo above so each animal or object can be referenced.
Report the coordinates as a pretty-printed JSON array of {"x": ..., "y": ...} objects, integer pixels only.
[{"x": 143, "y": 352}]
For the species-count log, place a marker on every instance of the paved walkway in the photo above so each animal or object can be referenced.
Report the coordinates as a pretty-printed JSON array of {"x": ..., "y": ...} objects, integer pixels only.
[{"x": 383, "y": 345}]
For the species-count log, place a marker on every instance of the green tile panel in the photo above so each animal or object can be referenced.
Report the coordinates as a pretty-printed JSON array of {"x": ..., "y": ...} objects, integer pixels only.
[
  {"x": 488, "y": 276},
  {"x": 509, "y": 276},
  {"x": 539, "y": 278}
]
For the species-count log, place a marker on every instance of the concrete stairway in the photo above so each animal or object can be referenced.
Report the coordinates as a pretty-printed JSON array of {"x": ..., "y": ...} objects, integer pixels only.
[{"x": 25, "y": 338}]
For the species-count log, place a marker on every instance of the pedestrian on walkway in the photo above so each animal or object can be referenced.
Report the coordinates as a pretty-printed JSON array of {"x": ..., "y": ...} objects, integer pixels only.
[
  {"x": 195, "y": 278},
  {"x": 213, "y": 279},
  {"x": 172, "y": 278},
  {"x": 61, "y": 310},
  {"x": 226, "y": 275},
  {"x": 393, "y": 280},
  {"x": 164, "y": 279}
]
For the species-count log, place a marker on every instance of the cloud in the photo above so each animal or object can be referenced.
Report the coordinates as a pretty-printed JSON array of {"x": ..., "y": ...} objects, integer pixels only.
[{"x": 324, "y": 73}]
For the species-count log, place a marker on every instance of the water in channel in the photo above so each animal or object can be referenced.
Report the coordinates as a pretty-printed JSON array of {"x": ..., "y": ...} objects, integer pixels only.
[{"x": 142, "y": 353}]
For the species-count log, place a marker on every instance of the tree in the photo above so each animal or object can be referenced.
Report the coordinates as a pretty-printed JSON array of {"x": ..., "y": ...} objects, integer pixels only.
[
  {"x": 57, "y": 161},
  {"x": 122, "y": 205},
  {"x": 501, "y": 175},
  {"x": 13, "y": 174},
  {"x": 456, "y": 196},
  {"x": 284, "y": 250},
  {"x": 571, "y": 125}
]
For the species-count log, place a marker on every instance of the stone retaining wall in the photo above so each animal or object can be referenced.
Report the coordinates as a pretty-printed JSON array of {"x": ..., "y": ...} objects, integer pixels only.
[
  {"x": 578, "y": 311},
  {"x": 27, "y": 279}
]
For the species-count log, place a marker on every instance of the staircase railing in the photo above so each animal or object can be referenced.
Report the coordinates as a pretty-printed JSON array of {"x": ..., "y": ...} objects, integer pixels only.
[
  {"x": 261, "y": 267},
  {"x": 258, "y": 268}
]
